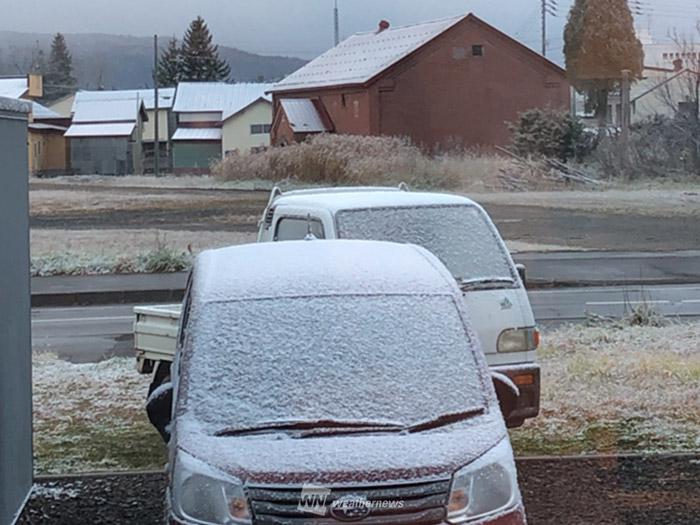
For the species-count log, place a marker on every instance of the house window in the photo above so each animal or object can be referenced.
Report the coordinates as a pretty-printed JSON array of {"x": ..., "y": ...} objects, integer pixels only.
[
  {"x": 343, "y": 100},
  {"x": 260, "y": 129},
  {"x": 478, "y": 50}
]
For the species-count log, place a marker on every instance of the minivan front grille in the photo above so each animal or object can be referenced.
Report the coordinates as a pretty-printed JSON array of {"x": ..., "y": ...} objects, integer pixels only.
[{"x": 418, "y": 503}]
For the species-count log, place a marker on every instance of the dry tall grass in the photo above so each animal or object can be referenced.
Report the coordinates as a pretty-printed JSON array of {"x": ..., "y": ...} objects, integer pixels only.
[{"x": 359, "y": 160}]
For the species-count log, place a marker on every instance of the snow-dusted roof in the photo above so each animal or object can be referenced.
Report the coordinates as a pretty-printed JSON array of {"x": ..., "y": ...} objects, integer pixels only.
[
  {"x": 363, "y": 56},
  {"x": 360, "y": 198},
  {"x": 40, "y": 126},
  {"x": 197, "y": 134},
  {"x": 315, "y": 268},
  {"x": 13, "y": 87},
  {"x": 121, "y": 129},
  {"x": 302, "y": 115},
  {"x": 227, "y": 99},
  {"x": 166, "y": 97},
  {"x": 105, "y": 110},
  {"x": 42, "y": 112}
]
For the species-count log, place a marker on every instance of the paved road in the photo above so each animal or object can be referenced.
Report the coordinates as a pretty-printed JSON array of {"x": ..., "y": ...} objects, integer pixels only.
[{"x": 86, "y": 334}]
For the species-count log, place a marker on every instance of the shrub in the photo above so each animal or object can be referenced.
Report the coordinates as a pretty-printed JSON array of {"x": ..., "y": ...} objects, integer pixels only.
[
  {"x": 659, "y": 147},
  {"x": 550, "y": 133}
]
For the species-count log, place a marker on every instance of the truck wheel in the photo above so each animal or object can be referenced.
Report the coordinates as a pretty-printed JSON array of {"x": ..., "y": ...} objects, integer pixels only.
[{"x": 161, "y": 375}]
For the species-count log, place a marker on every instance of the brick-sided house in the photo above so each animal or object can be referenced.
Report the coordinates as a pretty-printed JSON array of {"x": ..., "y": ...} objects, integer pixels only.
[{"x": 452, "y": 80}]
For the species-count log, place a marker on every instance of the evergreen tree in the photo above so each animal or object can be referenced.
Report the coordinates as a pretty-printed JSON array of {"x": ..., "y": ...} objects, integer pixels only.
[
  {"x": 599, "y": 43},
  {"x": 169, "y": 70},
  {"x": 200, "y": 58},
  {"x": 59, "y": 80}
]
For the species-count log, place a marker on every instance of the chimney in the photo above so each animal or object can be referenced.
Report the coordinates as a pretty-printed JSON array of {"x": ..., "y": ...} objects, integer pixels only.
[{"x": 383, "y": 26}]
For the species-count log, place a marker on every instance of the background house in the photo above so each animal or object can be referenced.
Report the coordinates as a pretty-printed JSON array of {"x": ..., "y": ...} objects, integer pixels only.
[
  {"x": 47, "y": 147},
  {"x": 106, "y": 133},
  {"x": 214, "y": 119},
  {"x": 63, "y": 106},
  {"x": 49, "y": 151},
  {"x": 453, "y": 80}
]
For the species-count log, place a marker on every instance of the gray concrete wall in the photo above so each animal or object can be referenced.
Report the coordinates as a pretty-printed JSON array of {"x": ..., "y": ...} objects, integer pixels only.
[{"x": 15, "y": 313}]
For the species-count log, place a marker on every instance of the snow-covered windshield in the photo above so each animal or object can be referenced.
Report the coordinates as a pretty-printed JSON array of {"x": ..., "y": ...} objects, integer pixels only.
[
  {"x": 460, "y": 236},
  {"x": 403, "y": 359}
]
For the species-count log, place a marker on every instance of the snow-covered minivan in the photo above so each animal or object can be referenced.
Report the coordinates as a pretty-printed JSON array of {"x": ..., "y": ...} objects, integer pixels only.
[
  {"x": 329, "y": 382},
  {"x": 460, "y": 233}
]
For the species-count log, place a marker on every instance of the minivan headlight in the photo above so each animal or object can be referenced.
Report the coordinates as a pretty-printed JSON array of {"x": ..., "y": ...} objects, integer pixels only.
[
  {"x": 518, "y": 340},
  {"x": 487, "y": 486},
  {"x": 203, "y": 495}
]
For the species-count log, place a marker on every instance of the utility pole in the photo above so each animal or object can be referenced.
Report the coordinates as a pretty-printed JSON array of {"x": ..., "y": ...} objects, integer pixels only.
[
  {"x": 336, "y": 23},
  {"x": 549, "y": 7},
  {"x": 626, "y": 111},
  {"x": 544, "y": 28},
  {"x": 156, "y": 131}
]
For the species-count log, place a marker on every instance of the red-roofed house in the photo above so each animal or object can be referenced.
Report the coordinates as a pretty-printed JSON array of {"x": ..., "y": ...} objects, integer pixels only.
[{"x": 453, "y": 80}]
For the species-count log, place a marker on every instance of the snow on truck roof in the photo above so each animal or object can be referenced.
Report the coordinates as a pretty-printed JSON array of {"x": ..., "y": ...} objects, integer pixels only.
[
  {"x": 318, "y": 268},
  {"x": 362, "y": 198}
]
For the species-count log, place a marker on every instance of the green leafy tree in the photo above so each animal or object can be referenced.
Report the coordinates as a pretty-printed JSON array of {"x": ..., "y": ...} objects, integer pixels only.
[
  {"x": 599, "y": 43},
  {"x": 59, "y": 80},
  {"x": 169, "y": 70},
  {"x": 200, "y": 57}
]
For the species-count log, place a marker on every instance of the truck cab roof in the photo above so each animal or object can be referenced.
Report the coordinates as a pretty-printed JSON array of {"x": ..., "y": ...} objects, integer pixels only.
[{"x": 336, "y": 199}]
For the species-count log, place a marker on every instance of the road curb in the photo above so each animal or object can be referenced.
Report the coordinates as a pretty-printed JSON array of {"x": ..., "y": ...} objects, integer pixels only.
[
  {"x": 174, "y": 295},
  {"x": 106, "y": 298}
]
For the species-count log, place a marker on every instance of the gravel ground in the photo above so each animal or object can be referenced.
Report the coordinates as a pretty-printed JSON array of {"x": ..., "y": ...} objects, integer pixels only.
[{"x": 660, "y": 490}]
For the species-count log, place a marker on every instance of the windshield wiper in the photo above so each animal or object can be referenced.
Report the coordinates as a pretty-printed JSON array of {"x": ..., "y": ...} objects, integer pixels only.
[
  {"x": 485, "y": 283},
  {"x": 311, "y": 424},
  {"x": 445, "y": 419}
]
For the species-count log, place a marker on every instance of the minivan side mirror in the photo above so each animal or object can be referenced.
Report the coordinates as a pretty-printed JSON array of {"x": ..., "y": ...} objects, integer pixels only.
[
  {"x": 522, "y": 272},
  {"x": 507, "y": 393},
  {"x": 159, "y": 408}
]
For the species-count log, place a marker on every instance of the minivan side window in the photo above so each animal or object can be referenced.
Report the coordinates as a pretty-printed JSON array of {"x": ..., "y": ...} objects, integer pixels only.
[{"x": 296, "y": 229}]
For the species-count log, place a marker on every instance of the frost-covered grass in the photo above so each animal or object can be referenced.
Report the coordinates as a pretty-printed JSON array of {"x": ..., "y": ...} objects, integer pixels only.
[
  {"x": 360, "y": 160},
  {"x": 610, "y": 388},
  {"x": 606, "y": 389},
  {"x": 91, "y": 417},
  {"x": 159, "y": 260}
]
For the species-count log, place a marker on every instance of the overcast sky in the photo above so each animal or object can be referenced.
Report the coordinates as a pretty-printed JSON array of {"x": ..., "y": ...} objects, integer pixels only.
[{"x": 302, "y": 27}]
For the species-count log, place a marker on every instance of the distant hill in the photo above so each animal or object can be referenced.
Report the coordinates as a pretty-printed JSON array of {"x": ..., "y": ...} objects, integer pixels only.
[{"x": 120, "y": 62}]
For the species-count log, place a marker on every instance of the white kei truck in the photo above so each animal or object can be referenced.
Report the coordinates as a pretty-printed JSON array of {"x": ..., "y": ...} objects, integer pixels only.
[{"x": 454, "y": 228}]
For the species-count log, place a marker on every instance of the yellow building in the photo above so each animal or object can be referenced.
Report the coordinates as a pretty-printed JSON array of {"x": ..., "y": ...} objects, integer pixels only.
[
  {"x": 248, "y": 129},
  {"x": 49, "y": 152}
]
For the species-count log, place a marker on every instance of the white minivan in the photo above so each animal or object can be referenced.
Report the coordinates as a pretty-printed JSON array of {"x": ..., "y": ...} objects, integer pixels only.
[{"x": 460, "y": 233}]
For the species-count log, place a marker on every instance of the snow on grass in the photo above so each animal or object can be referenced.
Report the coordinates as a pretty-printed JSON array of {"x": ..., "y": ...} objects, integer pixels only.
[
  {"x": 92, "y": 417},
  {"x": 655, "y": 201},
  {"x": 159, "y": 260},
  {"x": 605, "y": 389},
  {"x": 611, "y": 389}
]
